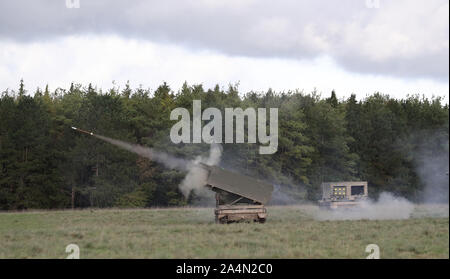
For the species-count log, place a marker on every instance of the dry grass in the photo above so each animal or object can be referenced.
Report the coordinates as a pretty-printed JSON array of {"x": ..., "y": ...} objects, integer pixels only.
[{"x": 290, "y": 232}]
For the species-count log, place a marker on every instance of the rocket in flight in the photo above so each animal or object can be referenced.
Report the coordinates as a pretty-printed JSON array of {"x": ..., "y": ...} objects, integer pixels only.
[{"x": 83, "y": 131}]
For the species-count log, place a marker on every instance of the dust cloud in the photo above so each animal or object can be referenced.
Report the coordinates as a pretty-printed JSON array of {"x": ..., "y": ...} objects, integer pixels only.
[{"x": 386, "y": 207}]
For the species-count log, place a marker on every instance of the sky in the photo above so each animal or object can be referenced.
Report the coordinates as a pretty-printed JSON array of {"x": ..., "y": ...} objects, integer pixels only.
[{"x": 396, "y": 47}]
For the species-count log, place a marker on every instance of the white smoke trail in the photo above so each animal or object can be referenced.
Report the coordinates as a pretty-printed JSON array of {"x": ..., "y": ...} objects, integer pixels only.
[
  {"x": 158, "y": 156},
  {"x": 196, "y": 175}
]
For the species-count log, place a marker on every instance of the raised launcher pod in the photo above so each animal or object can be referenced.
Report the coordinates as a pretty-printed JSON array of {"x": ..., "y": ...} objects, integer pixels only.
[
  {"x": 238, "y": 197},
  {"x": 343, "y": 194}
]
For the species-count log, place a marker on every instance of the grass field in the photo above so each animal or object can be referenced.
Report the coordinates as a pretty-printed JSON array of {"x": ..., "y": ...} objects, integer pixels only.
[{"x": 290, "y": 232}]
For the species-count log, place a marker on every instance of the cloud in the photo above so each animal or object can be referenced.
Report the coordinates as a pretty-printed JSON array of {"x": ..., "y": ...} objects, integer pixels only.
[
  {"x": 404, "y": 38},
  {"x": 102, "y": 59}
]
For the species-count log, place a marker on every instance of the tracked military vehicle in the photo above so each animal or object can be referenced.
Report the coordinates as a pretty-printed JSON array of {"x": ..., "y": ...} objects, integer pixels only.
[
  {"x": 343, "y": 194},
  {"x": 238, "y": 197}
]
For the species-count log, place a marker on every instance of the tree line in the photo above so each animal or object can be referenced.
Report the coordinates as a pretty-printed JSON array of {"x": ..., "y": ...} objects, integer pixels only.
[{"x": 45, "y": 164}]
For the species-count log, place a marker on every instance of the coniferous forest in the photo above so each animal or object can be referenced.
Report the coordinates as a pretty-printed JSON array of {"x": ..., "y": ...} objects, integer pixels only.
[{"x": 397, "y": 145}]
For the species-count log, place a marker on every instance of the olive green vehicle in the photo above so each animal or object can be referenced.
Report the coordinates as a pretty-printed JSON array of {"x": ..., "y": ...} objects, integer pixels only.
[
  {"x": 343, "y": 194},
  {"x": 238, "y": 197}
]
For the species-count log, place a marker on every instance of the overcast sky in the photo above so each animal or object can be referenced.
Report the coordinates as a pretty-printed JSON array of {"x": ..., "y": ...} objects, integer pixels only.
[{"x": 397, "y": 47}]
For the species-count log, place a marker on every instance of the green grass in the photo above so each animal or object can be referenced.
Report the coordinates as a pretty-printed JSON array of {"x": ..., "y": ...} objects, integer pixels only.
[{"x": 290, "y": 232}]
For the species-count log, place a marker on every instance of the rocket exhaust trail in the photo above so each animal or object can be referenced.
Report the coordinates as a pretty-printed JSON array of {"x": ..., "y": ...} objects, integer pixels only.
[
  {"x": 158, "y": 156},
  {"x": 150, "y": 153}
]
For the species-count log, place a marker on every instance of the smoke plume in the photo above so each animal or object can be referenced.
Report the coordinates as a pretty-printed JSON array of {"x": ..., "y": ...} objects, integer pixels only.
[
  {"x": 432, "y": 166},
  {"x": 197, "y": 176}
]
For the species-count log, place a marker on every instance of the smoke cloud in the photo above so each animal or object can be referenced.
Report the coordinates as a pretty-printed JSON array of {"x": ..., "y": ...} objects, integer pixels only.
[{"x": 288, "y": 194}]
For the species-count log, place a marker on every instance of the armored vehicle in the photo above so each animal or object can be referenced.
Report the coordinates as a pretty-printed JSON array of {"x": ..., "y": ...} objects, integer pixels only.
[
  {"x": 343, "y": 194},
  {"x": 238, "y": 197}
]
